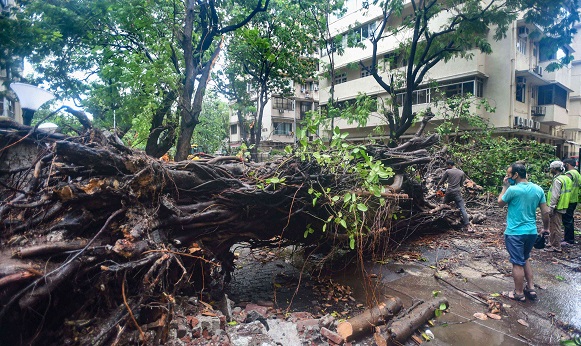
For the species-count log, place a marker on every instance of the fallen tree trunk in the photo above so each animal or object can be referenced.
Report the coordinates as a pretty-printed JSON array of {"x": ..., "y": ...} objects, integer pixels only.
[
  {"x": 366, "y": 322},
  {"x": 401, "y": 329},
  {"x": 88, "y": 225}
]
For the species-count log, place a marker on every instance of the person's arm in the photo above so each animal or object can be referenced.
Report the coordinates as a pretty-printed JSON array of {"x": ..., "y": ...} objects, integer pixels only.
[
  {"x": 555, "y": 194},
  {"x": 545, "y": 217},
  {"x": 505, "y": 185},
  {"x": 443, "y": 179}
]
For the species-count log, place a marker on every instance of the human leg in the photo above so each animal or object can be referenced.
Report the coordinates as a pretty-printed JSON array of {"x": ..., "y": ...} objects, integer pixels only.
[
  {"x": 519, "y": 248},
  {"x": 456, "y": 196},
  {"x": 556, "y": 231},
  {"x": 518, "y": 275},
  {"x": 529, "y": 288},
  {"x": 569, "y": 228}
]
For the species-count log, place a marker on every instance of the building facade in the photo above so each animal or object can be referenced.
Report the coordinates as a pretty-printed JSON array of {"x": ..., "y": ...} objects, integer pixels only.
[
  {"x": 9, "y": 106},
  {"x": 530, "y": 102},
  {"x": 282, "y": 116}
]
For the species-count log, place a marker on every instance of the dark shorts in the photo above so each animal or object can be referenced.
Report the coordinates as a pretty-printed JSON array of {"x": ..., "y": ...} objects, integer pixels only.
[{"x": 519, "y": 247}]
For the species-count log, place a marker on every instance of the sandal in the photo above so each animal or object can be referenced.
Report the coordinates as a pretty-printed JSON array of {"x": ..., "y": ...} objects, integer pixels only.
[
  {"x": 514, "y": 296},
  {"x": 530, "y": 293}
]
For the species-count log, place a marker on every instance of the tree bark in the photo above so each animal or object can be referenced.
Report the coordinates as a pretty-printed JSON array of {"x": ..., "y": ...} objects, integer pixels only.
[
  {"x": 401, "y": 329},
  {"x": 118, "y": 212},
  {"x": 366, "y": 322}
]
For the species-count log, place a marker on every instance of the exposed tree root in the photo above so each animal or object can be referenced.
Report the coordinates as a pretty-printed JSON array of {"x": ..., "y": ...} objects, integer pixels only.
[{"x": 78, "y": 215}]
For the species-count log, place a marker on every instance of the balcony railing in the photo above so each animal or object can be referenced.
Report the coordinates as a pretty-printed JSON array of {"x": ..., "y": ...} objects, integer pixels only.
[{"x": 538, "y": 111}]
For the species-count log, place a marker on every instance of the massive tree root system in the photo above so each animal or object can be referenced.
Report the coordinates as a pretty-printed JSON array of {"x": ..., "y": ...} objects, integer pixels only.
[{"x": 96, "y": 238}]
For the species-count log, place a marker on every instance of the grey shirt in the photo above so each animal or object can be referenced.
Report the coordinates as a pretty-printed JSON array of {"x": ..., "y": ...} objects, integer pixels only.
[{"x": 455, "y": 177}]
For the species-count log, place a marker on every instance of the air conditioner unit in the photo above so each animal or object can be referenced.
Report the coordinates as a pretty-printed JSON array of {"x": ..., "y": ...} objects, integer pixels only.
[
  {"x": 538, "y": 70},
  {"x": 523, "y": 32},
  {"x": 307, "y": 96},
  {"x": 517, "y": 121},
  {"x": 265, "y": 129},
  {"x": 281, "y": 110},
  {"x": 303, "y": 90},
  {"x": 315, "y": 87},
  {"x": 521, "y": 122},
  {"x": 537, "y": 125}
]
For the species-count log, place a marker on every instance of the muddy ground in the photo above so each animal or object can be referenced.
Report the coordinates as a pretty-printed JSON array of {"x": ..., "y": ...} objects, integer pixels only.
[{"x": 275, "y": 300}]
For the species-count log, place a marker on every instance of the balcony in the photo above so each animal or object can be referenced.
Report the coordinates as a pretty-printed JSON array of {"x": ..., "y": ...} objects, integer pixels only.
[
  {"x": 554, "y": 115},
  {"x": 561, "y": 76},
  {"x": 538, "y": 111},
  {"x": 282, "y": 113}
]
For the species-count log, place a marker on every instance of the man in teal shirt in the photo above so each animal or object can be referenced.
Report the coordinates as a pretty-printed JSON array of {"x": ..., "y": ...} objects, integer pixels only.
[{"x": 523, "y": 198}]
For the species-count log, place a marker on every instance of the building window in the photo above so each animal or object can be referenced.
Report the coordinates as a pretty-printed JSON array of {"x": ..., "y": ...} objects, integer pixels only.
[
  {"x": 548, "y": 53},
  {"x": 283, "y": 128},
  {"x": 421, "y": 96},
  {"x": 233, "y": 129},
  {"x": 394, "y": 60},
  {"x": 7, "y": 107},
  {"x": 365, "y": 73},
  {"x": 341, "y": 78},
  {"x": 282, "y": 103},
  {"x": 521, "y": 45},
  {"x": 521, "y": 85},
  {"x": 552, "y": 95},
  {"x": 365, "y": 31}
]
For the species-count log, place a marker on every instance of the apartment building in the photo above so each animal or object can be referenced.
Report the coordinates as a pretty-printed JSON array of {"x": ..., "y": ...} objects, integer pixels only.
[
  {"x": 9, "y": 106},
  {"x": 530, "y": 102},
  {"x": 282, "y": 116}
]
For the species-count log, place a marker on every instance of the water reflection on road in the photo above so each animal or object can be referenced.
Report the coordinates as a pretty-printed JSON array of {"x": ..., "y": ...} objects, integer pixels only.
[{"x": 415, "y": 279}]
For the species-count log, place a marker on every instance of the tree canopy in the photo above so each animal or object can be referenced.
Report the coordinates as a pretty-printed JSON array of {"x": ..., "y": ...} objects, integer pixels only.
[{"x": 146, "y": 62}]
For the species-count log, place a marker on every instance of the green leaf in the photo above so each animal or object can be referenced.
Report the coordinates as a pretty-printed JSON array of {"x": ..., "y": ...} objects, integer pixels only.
[
  {"x": 361, "y": 207},
  {"x": 343, "y": 223},
  {"x": 347, "y": 198},
  {"x": 443, "y": 306},
  {"x": 352, "y": 243},
  {"x": 438, "y": 312},
  {"x": 435, "y": 293}
]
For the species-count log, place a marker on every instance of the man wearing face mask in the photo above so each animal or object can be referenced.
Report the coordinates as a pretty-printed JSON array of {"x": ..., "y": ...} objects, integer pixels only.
[
  {"x": 523, "y": 198},
  {"x": 558, "y": 201}
]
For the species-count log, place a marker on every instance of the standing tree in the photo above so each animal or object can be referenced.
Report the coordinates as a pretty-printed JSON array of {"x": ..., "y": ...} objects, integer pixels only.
[
  {"x": 466, "y": 27},
  {"x": 146, "y": 62},
  {"x": 234, "y": 86},
  {"x": 273, "y": 51},
  {"x": 213, "y": 128}
]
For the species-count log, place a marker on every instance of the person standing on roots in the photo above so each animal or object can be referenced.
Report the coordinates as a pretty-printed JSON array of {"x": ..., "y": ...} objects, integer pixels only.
[
  {"x": 522, "y": 198},
  {"x": 558, "y": 201},
  {"x": 568, "y": 223},
  {"x": 455, "y": 178}
]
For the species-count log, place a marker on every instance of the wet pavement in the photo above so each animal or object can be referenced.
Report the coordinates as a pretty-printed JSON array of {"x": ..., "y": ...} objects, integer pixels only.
[{"x": 475, "y": 263}]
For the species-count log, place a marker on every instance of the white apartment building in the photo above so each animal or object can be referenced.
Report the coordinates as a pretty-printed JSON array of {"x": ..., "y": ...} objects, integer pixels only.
[
  {"x": 282, "y": 116},
  {"x": 9, "y": 106},
  {"x": 530, "y": 102}
]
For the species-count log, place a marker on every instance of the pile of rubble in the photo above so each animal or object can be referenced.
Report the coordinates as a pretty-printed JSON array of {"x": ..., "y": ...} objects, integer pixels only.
[{"x": 199, "y": 323}]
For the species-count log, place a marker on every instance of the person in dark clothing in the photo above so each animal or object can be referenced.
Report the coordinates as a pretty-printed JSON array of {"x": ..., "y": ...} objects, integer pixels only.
[
  {"x": 569, "y": 228},
  {"x": 455, "y": 178}
]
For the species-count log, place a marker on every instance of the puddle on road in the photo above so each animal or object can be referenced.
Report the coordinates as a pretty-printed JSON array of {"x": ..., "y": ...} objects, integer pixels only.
[
  {"x": 561, "y": 297},
  {"x": 415, "y": 280}
]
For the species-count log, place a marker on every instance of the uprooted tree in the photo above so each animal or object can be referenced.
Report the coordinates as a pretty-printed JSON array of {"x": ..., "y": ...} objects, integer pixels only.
[{"x": 104, "y": 237}]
